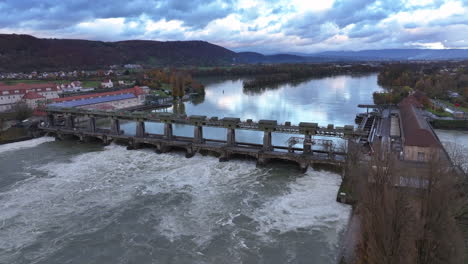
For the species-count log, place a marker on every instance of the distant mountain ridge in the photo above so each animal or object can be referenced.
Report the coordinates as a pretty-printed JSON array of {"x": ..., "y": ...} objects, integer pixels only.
[
  {"x": 397, "y": 54},
  {"x": 26, "y": 53}
]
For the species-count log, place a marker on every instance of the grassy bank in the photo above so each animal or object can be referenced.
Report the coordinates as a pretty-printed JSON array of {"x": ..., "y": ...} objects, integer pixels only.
[
  {"x": 450, "y": 124},
  {"x": 464, "y": 109},
  {"x": 439, "y": 113},
  {"x": 13, "y": 82}
]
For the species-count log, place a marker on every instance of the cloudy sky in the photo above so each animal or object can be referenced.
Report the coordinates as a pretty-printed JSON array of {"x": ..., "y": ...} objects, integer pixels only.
[{"x": 304, "y": 26}]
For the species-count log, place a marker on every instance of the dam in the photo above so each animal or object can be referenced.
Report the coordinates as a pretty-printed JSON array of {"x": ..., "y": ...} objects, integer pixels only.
[{"x": 81, "y": 124}]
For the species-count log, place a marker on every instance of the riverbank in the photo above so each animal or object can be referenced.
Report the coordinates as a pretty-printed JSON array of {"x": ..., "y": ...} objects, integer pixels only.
[
  {"x": 351, "y": 239},
  {"x": 20, "y": 132},
  {"x": 455, "y": 124}
]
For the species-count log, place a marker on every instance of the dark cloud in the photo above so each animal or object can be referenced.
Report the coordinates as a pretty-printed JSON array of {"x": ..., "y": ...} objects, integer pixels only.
[
  {"x": 55, "y": 14},
  {"x": 268, "y": 25}
]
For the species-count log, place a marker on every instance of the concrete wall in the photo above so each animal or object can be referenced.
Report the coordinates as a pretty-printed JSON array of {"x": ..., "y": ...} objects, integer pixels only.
[
  {"x": 119, "y": 104},
  {"x": 412, "y": 153},
  {"x": 5, "y": 107}
]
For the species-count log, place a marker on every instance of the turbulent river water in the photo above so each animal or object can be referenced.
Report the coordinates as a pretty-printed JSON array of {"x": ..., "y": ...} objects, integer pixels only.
[{"x": 68, "y": 202}]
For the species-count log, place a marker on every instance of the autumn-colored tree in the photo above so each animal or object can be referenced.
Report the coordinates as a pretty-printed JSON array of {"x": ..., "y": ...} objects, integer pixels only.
[{"x": 178, "y": 84}]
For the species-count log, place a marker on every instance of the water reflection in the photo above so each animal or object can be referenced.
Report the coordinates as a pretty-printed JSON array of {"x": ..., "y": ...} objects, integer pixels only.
[
  {"x": 178, "y": 108},
  {"x": 331, "y": 100},
  {"x": 326, "y": 100}
]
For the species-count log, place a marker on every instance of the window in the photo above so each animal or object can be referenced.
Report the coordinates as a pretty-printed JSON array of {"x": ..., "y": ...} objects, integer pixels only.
[{"x": 421, "y": 156}]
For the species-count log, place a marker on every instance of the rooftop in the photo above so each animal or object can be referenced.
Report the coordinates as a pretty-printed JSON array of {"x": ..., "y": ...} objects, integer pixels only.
[
  {"x": 33, "y": 95},
  {"x": 135, "y": 91},
  {"x": 93, "y": 100},
  {"x": 27, "y": 86},
  {"x": 416, "y": 130}
]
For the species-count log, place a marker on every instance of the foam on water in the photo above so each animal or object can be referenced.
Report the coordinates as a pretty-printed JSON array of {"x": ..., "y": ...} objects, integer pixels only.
[
  {"x": 25, "y": 144},
  {"x": 78, "y": 195},
  {"x": 310, "y": 203}
]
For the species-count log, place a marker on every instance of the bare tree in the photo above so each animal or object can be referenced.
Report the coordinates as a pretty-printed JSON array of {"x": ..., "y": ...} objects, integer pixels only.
[
  {"x": 386, "y": 214},
  {"x": 21, "y": 111},
  {"x": 458, "y": 154},
  {"x": 438, "y": 238}
]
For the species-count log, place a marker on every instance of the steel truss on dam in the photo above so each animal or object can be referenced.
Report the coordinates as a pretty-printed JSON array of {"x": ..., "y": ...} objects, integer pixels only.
[{"x": 61, "y": 122}]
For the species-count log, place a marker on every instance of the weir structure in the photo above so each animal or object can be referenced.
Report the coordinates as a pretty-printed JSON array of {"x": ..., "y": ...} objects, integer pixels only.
[{"x": 62, "y": 122}]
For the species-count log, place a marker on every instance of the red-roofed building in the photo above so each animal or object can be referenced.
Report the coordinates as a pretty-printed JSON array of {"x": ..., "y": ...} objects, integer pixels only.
[
  {"x": 11, "y": 94},
  {"x": 32, "y": 99},
  {"x": 419, "y": 140},
  {"x": 116, "y": 99}
]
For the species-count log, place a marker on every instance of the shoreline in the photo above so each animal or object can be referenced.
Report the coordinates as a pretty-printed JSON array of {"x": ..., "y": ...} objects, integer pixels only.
[{"x": 350, "y": 239}]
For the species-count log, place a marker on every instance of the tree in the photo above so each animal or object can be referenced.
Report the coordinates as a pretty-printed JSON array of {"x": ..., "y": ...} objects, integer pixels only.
[
  {"x": 21, "y": 111},
  {"x": 414, "y": 222},
  {"x": 178, "y": 84},
  {"x": 386, "y": 214},
  {"x": 438, "y": 238}
]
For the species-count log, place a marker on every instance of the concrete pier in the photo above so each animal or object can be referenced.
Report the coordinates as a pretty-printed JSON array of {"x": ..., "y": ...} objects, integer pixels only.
[
  {"x": 168, "y": 133},
  {"x": 91, "y": 123},
  {"x": 115, "y": 126},
  {"x": 198, "y": 134},
  {"x": 69, "y": 121},
  {"x": 231, "y": 137},
  {"x": 140, "y": 128}
]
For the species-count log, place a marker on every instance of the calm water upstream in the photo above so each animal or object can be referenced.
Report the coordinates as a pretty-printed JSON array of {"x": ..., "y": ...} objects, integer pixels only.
[{"x": 65, "y": 202}]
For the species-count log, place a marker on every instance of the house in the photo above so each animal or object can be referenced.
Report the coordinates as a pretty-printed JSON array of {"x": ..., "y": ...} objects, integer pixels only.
[
  {"x": 12, "y": 94},
  {"x": 75, "y": 86},
  {"x": 108, "y": 100},
  {"x": 107, "y": 84},
  {"x": 459, "y": 114},
  {"x": 419, "y": 140},
  {"x": 33, "y": 99},
  {"x": 146, "y": 89},
  {"x": 132, "y": 66},
  {"x": 453, "y": 94}
]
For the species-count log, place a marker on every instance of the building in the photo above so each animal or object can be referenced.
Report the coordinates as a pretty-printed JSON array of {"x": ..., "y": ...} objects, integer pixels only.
[
  {"x": 419, "y": 140},
  {"x": 106, "y": 101},
  {"x": 12, "y": 94},
  {"x": 107, "y": 84},
  {"x": 132, "y": 66},
  {"x": 459, "y": 114},
  {"x": 33, "y": 99}
]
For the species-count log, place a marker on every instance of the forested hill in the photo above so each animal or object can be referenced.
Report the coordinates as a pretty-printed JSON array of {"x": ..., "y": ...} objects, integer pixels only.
[
  {"x": 27, "y": 53},
  {"x": 24, "y": 52}
]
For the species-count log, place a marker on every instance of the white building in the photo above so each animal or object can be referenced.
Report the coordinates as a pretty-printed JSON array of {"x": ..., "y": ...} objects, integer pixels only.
[
  {"x": 107, "y": 84},
  {"x": 12, "y": 94}
]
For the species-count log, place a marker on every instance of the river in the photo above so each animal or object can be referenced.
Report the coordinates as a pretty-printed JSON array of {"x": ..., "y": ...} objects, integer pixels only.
[{"x": 69, "y": 202}]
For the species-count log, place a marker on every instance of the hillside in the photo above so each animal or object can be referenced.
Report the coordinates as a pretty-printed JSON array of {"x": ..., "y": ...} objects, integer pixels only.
[
  {"x": 27, "y": 53},
  {"x": 24, "y": 53},
  {"x": 254, "y": 57}
]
